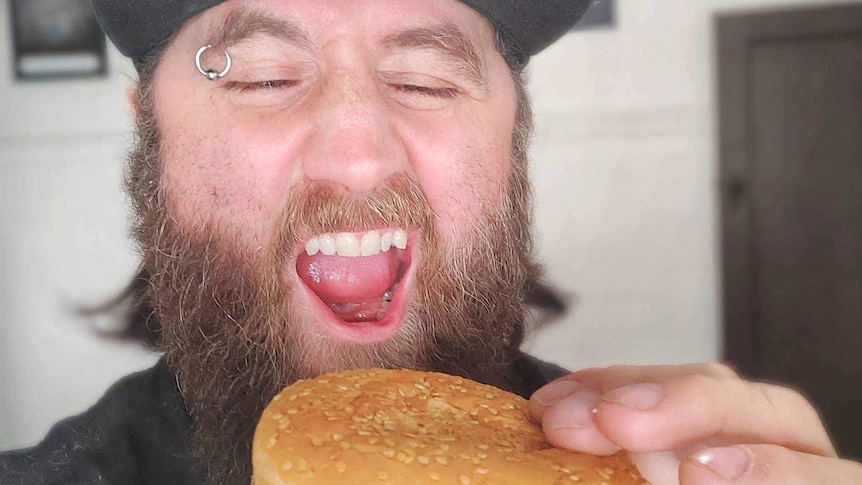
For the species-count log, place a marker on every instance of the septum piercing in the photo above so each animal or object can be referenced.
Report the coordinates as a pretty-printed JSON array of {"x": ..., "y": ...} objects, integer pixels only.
[{"x": 209, "y": 73}]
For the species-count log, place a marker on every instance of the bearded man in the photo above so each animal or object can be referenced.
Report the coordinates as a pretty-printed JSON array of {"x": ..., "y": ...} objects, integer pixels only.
[{"x": 322, "y": 185}]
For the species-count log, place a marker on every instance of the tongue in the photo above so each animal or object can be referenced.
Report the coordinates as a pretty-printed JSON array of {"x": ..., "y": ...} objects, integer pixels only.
[{"x": 353, "y": 288}]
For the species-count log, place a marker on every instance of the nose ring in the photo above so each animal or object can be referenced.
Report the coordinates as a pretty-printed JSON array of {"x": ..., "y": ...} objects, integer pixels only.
[{"x": 209, "y": 73}]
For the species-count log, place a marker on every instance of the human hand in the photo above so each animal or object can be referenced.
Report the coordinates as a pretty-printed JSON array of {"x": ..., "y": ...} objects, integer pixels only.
[{"x": 692, "y": 425}]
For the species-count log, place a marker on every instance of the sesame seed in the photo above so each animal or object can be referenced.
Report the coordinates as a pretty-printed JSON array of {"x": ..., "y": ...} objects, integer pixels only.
[
  {"x": 340, "y": 466},
  {"x": 434, "y": 476},
  {"x": 382, "y": 475},
  {"x": 287, "y": 465},
  {"x": 441, "y": 460},
  {"x": 423, "y": 459},
  {"x": 465, "y": 480}
]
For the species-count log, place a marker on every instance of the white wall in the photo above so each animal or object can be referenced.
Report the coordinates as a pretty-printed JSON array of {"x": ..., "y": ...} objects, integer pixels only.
[
  {"x": 625, "y": 176},
  {"x": 62, "y": 243}
]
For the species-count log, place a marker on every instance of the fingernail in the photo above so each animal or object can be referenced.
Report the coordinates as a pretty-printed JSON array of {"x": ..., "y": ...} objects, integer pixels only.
[
  {"x": 575, "y": 411},
  {"x": 553, "y": 392},
  {"x": 637, "y": 396},
  {"x": 730, "y": 462}
]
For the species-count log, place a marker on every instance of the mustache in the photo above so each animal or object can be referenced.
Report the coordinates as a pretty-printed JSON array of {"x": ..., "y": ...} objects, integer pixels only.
[{"x": 323, "y": 208}]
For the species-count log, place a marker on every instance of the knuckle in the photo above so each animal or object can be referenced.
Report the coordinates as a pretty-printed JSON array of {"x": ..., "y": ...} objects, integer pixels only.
[
  {"x": 701, "y": 382},
  {"x": 722, "y": 370},
  {"x": 790, "y": 398},
  {"x": 619, "y": 369}
]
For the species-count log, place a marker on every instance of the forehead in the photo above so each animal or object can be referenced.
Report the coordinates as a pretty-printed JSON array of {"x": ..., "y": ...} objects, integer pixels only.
[{"x": 324, "y": 20}]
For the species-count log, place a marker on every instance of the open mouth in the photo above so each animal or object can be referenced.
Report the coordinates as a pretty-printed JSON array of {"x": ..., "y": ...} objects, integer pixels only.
[{"x": 358, "y": 278}]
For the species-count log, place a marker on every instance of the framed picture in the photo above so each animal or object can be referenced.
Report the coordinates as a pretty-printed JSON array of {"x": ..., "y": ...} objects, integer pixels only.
[
  {"x": 56, "y": 38},
  {"x": 600, "y": 15}
]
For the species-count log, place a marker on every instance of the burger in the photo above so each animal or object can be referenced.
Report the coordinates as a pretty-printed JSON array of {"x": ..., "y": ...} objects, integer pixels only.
[{"x": 409, "y": 427}]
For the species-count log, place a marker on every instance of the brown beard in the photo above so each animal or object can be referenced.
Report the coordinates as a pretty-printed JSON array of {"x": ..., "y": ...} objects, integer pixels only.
[{"x": 228, "y": 332}]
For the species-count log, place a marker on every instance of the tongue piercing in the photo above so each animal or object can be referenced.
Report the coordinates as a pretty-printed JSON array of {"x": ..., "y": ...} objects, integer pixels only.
[{"x": 387, "y": 297}]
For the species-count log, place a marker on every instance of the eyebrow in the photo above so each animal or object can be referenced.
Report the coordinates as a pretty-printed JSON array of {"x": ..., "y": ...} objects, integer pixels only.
[
  {"x": 244, "y": 23},
  {"x": 446, "y": 39}
]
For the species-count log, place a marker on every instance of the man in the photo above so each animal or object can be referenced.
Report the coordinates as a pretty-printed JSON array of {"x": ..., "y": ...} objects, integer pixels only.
[{"x": 329, "y": 184}]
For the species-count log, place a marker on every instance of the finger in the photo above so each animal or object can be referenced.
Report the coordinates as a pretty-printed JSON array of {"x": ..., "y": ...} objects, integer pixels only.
[
  {"x": 650, "y": 417},
  {"x": 606, "y": 379},
  {"x": 570, "y": 425},
  {"x": 551, "y": 394},
  {"x": 766, "y": 465}
]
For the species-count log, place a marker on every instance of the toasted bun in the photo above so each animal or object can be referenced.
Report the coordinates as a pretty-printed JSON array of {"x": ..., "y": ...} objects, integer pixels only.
[{"x": 409, "y": 427}]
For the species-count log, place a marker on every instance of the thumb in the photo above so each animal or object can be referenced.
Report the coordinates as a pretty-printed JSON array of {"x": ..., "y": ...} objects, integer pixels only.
[{"x": 765, "y": 465}]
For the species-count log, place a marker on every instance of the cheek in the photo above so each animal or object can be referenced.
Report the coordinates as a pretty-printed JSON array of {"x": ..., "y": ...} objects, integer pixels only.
[
  {"x": 464, "y": 180},
  {"x": 464, "y": 173},
  {"x": 229, "y": 178}
]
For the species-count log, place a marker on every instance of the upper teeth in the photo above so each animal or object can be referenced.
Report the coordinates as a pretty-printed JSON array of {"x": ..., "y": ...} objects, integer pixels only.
[{"x": 352, "y": 245}]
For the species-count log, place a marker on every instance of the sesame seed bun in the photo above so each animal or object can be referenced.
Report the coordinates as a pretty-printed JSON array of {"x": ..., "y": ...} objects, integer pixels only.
[{"x": 409, "y": 427}]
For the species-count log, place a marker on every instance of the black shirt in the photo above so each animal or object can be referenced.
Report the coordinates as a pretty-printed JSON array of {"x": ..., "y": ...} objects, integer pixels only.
[{"x": 137, "y": 434}]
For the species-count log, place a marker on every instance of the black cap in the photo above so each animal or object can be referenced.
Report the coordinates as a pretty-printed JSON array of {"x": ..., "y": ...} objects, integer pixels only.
[{"x": 141, "y": 28}]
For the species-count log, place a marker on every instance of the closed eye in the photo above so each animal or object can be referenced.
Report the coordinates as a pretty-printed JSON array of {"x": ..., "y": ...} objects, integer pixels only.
[
  {"x": 257, "y": 86},
  {"x": 444, "y": 93}
]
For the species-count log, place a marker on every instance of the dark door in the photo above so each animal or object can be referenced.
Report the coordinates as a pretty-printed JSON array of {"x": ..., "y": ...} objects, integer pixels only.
[{"x": 791, "y": 171}]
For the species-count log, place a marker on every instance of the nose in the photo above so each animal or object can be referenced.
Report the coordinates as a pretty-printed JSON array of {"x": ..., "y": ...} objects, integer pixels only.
[{"x": 354, "y": 143}]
